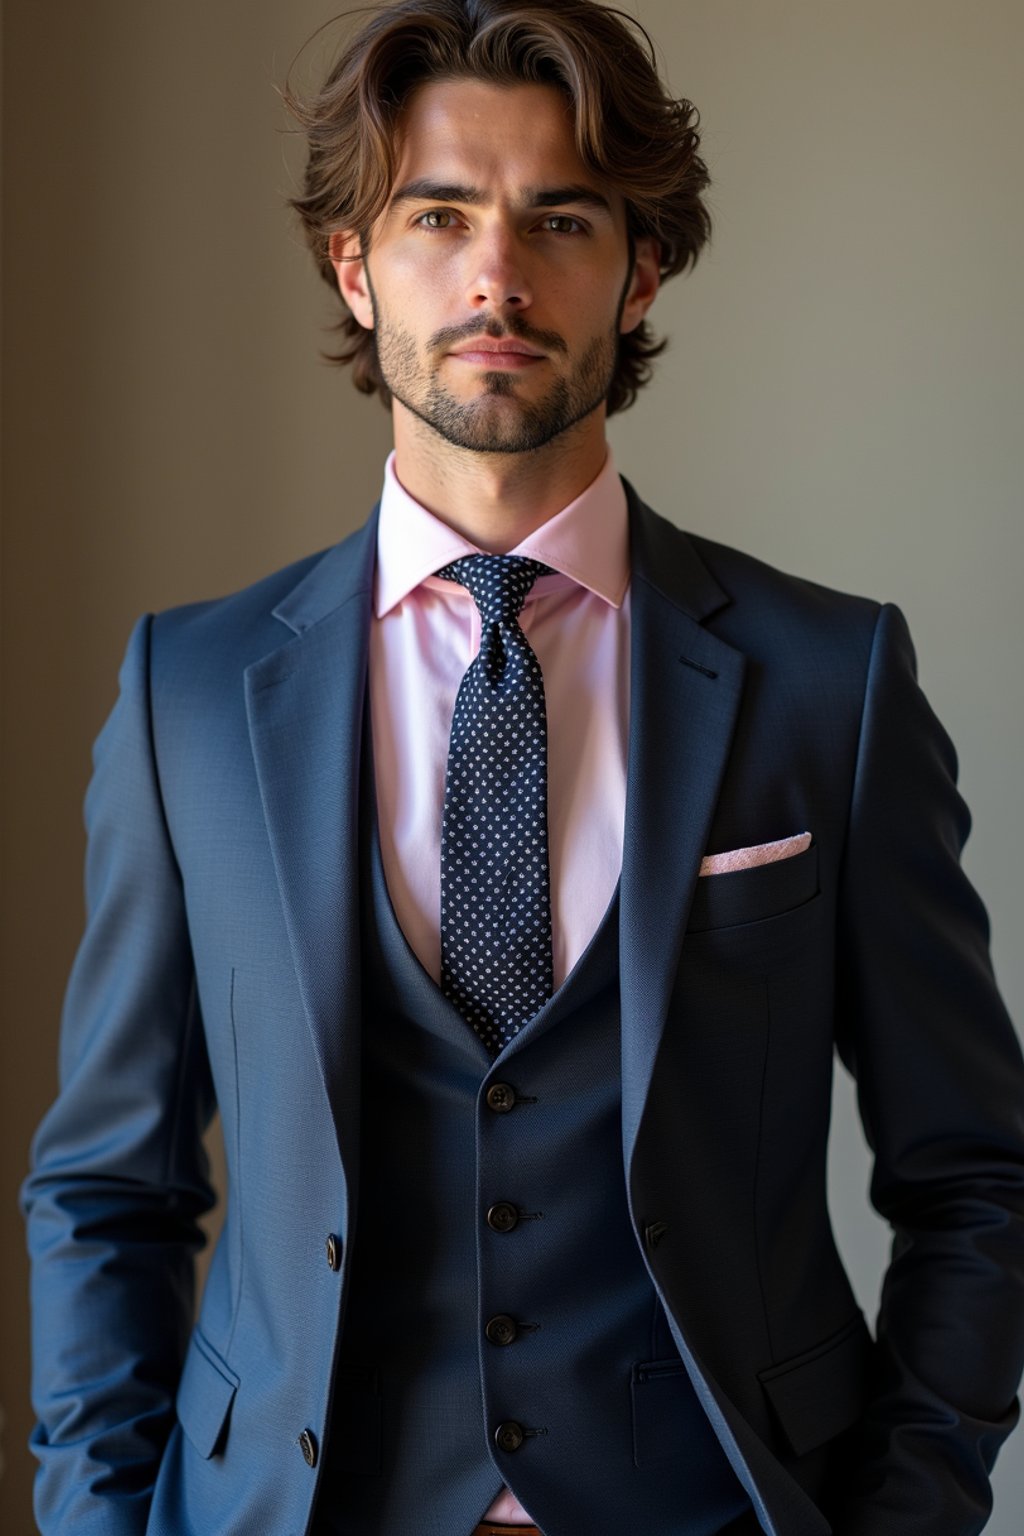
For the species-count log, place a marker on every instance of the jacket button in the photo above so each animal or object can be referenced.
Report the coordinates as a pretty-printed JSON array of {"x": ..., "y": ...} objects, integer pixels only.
[
  {"x": 333, "y": 1246},
  {"x": 308, "y": 1447},
  {"x": 502, "y": 1217},
  {"x": 501, "y": 1097},
  {"x": 501, "y": 1330},
  {"x": 509, "y": 1436}
]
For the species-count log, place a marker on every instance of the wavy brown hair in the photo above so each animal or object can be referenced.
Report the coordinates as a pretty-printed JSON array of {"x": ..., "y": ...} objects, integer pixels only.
[{"x": 636, "y": 138}]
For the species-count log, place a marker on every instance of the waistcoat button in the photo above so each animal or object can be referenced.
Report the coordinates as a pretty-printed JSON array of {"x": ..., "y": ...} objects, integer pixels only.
[
  {"x": 502, "y": 1217},
  {"x": 501, "y": 1330},
  {"x": 501, "y": 1097},
  {"x": 509, "y": 1436},
  {"x": 308, "y": 1447},
  {"x": 334, "y": 1252}
]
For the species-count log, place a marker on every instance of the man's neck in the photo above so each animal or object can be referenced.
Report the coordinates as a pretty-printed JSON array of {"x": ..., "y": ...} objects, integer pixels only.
[{"x": 496, "y": 499}]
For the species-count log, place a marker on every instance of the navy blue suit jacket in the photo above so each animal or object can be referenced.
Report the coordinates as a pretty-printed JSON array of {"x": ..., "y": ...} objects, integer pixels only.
[{"x": 220, "y": 965}]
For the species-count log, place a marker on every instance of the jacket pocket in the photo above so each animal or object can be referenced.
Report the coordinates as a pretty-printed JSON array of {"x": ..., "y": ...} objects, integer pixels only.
[
  {"x": 821, "y": 1392},
  {"x": 205, "y": 1394},
  {"x": 751, "y": 895},
  {"x": 669, "y": 1424}
]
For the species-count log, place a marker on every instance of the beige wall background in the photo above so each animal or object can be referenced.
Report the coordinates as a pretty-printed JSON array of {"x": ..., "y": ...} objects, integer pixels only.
[{"x": 842, "y": 397}]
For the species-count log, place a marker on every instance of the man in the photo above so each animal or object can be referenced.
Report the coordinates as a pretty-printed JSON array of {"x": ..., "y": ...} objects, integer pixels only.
[{"x": 507, "y": 875}]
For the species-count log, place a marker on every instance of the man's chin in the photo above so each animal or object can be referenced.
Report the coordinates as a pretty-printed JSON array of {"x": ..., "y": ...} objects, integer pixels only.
[
  {"x": 493, "y": 424},
  {"x": 496, "y": 418}
]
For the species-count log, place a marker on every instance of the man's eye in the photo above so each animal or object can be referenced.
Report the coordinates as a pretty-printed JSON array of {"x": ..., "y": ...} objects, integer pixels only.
[
  {"x": 563, "y": 224},
  {"x": 436, "y": 218}
]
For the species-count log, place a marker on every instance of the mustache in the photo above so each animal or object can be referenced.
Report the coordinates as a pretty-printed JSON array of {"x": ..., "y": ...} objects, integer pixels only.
[{"x": 450, "y": 335}]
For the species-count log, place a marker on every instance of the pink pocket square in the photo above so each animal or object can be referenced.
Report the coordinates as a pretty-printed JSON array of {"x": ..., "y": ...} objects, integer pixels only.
[{"x": 761, "y": 853}]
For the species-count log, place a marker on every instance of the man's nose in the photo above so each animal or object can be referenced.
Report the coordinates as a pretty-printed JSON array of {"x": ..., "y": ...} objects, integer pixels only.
[{"x": 498, "y": 274}]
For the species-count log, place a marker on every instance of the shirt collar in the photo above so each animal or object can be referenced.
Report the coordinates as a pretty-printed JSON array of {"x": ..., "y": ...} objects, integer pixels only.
[{"x": 587, "y": 541}]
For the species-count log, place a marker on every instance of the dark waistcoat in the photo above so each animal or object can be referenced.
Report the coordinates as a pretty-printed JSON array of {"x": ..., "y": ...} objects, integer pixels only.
[{"x": 501, "y": 1326}]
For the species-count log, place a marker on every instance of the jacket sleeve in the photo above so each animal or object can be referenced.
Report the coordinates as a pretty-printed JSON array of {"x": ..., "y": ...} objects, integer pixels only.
[
  {"x": 940, "y": 1086},
  {"x": 118, "y": 1175}
]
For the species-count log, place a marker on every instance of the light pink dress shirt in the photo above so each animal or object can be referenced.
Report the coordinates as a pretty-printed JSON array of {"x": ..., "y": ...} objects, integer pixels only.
[{"x": 425, "y": 633}]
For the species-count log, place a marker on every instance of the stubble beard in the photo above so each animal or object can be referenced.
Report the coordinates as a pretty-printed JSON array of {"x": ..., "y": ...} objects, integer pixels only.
[{"x": 487, "y": 424}]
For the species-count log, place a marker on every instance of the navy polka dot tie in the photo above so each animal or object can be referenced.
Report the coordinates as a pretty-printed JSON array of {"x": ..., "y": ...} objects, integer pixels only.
[{"x": 495, "y": 890}]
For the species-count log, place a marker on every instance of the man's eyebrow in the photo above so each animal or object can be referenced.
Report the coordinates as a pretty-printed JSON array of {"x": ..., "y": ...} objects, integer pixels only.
[
  {"x": 423, "y": 190},
  {"x": 426, "y": 191},
  {"x": 555, "y": 197}
]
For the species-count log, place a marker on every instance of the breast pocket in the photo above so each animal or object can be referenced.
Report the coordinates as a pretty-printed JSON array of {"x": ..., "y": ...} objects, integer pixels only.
[
  {"x": 753, "y": 895},
  {"x": 758, "y": 942}
]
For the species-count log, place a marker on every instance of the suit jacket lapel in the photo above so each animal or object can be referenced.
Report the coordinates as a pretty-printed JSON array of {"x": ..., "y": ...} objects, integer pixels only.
[
  {"x": 685, "y": 688},
  {"x": 305, "y": 705}
]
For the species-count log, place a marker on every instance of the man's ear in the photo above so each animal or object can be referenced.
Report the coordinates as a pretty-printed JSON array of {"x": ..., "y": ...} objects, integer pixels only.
[
  {"x": 643, "y": 284},
  {"x": 345, "y": 255}
]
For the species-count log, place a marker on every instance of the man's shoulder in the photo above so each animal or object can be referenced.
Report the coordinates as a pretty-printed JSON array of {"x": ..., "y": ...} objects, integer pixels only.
[
  {"x": 750, "y": 591},
  {"x": 242, "y": 625},
  {"x": 814, "y": 641},
  {"x": 749, "y": 578},
  {"x": 232, "y": 608}
]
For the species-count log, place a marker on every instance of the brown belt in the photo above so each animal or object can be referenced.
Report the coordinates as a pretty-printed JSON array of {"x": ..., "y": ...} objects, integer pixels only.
[
  {"x": 488, "y": 1528},
  {"x": 745, "y": 1525}
]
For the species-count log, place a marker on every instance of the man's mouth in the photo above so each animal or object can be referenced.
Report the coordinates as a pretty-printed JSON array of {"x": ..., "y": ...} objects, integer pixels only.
[{"x": 485, "y": 352}]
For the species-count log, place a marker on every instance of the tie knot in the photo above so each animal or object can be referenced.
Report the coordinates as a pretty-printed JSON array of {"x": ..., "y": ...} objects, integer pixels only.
[{"x": 498, "y": 584}]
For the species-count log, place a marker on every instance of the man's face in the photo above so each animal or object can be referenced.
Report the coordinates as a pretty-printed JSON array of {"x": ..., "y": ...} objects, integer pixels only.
[{"x": 498, "y": 278}]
